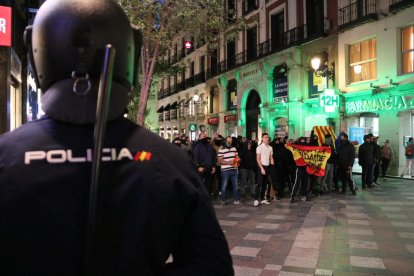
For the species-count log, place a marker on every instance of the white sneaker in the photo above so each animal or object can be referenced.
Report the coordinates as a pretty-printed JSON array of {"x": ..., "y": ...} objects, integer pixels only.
[
  {"x": 303, "y": 198},
  {"x": 265, "y": 202},
  {"x": 236, "y": 202},
  {"x": 256, "y": 203}
]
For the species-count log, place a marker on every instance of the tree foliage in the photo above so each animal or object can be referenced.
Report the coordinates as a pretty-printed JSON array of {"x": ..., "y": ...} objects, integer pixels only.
[{"x": 163, "y": 22}]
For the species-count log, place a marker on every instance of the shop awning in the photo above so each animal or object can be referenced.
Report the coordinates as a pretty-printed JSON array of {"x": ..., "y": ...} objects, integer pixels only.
[
  {"x": 167, "y": 107},
  {"x": 160, "y": 110},
  {"x": 174, "y": 105}
]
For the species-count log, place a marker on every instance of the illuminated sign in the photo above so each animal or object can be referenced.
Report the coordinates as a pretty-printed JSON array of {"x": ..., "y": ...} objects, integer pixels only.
[
  {"x": 378, "y": 104},
  {"x": 230, "y": 118},
  {"x": 5, "y": 26},
  {"x": 329, "y": 100},
  {"x": 192, "y": 127},
  {"x": 188, "y": 44},
  {"x": 213, "y": 121},
  {"x": 280, "y": 89}
]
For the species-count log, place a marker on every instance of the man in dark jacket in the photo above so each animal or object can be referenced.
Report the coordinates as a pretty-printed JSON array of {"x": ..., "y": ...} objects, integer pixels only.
[
  {"x": 346, "y": 157},
  {"x": 151, "y": 202},
  {"x": 247, "y": 165},
  {"x": 205, "y": 159},
  {"x": 366, "y": 161},
  {"x": 279, "y": 179}
]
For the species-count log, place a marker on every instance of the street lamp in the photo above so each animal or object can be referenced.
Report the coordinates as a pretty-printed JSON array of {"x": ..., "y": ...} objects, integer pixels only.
[
  {"x": 357, "y": 69},
  {"x": 196, "y": 97},
  {"x": 323, "y": 70}
]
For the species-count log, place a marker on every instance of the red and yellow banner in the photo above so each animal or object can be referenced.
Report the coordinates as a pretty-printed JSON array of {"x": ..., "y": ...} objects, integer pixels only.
[
  {"x": 322, "y": 131},
  {"x": 314, "y": 157}
]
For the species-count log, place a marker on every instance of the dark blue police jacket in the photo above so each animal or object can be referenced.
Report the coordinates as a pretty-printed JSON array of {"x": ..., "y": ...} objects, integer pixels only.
[{"x": 153, "y": 204}]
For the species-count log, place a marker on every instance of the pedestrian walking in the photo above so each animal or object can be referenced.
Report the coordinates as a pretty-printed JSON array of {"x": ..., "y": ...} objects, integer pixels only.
[{"x": 409, "y": 158}]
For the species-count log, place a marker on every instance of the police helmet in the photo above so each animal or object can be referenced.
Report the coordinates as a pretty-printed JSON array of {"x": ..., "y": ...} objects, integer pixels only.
[{"x": 66, "y": 46}]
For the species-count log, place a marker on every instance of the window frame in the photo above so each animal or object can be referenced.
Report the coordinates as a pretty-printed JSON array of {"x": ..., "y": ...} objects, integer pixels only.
[
  {"x": 407, "y": 51},
  {"x": 362, "y": 62}
]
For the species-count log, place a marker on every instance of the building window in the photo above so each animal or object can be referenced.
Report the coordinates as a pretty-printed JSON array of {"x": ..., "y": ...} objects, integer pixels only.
[
  {"x": 191, "y": 108},
  {"x": 232, "y": 94},
  {"x": 363, "y": 55},
  {"x": 248, "y": 6},
  {"x": 200, "y": 106},
  {"x": 181, "y": 110},
  {"x": 251, "y": 43},
  {"x": 407, "y": 49}
]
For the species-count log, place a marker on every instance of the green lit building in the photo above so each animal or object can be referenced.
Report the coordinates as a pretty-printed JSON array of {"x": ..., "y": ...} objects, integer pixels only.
[
  {"x": 376, "y": 72},
  {"x": 299, "y": 64}
]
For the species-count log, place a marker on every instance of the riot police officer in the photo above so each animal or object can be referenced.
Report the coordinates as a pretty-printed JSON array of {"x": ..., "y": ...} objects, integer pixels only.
[{"x": 153, "y": 205}]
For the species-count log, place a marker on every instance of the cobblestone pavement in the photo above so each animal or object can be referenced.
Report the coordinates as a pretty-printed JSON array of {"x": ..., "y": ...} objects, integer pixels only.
[{"x": 371, "y": 233}]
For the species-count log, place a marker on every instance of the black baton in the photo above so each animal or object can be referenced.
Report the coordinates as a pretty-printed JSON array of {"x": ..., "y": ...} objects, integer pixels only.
[{"x": 104, "y": 94}]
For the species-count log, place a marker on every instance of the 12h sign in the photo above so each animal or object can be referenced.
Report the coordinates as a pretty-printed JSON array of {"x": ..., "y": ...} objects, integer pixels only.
[
  {"x": 5, "y": 26},
  {"x": 329, "y": 100}
]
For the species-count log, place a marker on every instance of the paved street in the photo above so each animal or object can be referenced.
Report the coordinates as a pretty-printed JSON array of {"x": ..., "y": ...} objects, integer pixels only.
[{"x": 368, "y": 234}]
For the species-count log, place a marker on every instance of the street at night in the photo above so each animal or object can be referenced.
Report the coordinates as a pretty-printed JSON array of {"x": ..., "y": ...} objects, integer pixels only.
[{"x": 371, "y": 233}]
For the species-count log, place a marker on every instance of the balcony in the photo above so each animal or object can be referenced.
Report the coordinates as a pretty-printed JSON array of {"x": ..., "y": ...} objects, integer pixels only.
[
  {"x": 399, "y": 5},
  {"x": 292, "y": 37},
  {"x": 358, "y": 13},
  {"x": 295, "y": 36}
]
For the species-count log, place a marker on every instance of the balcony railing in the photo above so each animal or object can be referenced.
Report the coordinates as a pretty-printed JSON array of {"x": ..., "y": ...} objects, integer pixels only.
[
  {"x": 399, "y": 5},
  {"x": 357, "y": 13},
  {"x": 292, "y": 37}
]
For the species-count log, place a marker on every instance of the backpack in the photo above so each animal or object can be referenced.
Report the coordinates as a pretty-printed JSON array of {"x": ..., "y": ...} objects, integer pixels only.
[{"x": 409, "y": 151}]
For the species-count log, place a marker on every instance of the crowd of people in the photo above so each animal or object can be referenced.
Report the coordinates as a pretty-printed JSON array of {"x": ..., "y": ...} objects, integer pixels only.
[{"x": 266, "y": 171}]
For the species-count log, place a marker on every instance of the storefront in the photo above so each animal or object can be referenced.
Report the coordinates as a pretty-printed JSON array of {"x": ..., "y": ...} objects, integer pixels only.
[{"x": 389, "y": 115}]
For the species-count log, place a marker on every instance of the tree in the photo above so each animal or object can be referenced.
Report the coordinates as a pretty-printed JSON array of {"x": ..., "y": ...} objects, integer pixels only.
[{"x": 163, "y": 21}]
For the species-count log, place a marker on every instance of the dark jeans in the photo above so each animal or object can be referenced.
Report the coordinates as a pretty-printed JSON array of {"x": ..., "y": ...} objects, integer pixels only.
[
  {"x": 232, "y": 176},
  {"x": 207, "y": 178},
  {"x": 366, "y": 176},
  {"x": 247, "y": 180},
  {"x": 384, "y": 166},
  {"x": 301, "y": 181},
  {"x": 262, "y": 182},
  {"x": 376, "y": 171},
  {"x": 346, "y": 178},
  {"x": 217, "y": 181}
]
